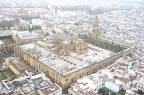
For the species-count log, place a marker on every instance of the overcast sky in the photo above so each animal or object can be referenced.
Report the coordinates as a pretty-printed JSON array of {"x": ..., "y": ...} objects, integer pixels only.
[
  {"x": 87, "y": 2},
  {"x": 80, "y": 2}
]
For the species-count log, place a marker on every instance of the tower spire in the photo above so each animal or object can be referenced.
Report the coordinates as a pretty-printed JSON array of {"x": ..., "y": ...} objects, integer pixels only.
[{"x": 95, "y": 28}]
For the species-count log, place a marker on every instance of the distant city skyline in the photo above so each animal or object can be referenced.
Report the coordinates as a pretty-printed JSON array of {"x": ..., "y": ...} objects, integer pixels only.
[{"x": 95, "y": 3}]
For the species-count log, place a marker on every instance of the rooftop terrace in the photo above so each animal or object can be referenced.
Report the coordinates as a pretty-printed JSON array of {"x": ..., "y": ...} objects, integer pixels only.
[{"x": 28, "y": 85}]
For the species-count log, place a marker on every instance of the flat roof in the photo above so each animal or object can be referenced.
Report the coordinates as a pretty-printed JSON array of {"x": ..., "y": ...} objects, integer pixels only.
[
  {"x": 67, "y": 64},
  {"x": 27, "y": 35},
  {"x": 88, "y": 83},
  {"x": 50, "y": 90},
  {"x": 28, "y": 84}
]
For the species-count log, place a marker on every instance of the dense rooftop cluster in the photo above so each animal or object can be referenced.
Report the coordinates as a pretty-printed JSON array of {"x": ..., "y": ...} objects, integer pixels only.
[
  {"x": 121, "y": 75},
  {"x": 28, "y": 85},
  {"x": 35, "y": 31},
  {"x": 124, "y": 26}
]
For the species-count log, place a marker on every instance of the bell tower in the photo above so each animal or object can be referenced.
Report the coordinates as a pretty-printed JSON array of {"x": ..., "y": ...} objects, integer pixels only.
[{"x": 95, "y": 29}]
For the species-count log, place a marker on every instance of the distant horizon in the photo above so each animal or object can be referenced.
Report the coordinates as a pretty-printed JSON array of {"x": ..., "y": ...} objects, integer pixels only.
[{"x": 94, "y": 3}]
